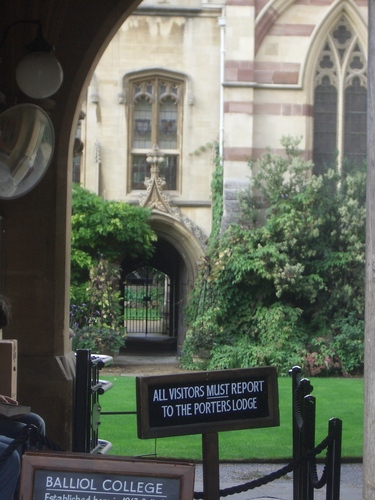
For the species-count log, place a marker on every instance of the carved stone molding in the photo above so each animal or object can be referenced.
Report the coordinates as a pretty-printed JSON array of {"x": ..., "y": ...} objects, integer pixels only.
[{"x": 156, "y": 199}]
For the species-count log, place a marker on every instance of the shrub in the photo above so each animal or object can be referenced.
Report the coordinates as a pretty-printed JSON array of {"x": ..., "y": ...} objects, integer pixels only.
[
  {"x": 286, "y": 284},
  {"x": 100, "y": 339},
  {"x": 98, "y": 323}
]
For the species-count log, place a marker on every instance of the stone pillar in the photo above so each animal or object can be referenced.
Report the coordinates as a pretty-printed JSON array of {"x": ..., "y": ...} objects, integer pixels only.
[{"x": 36, "y": 281}]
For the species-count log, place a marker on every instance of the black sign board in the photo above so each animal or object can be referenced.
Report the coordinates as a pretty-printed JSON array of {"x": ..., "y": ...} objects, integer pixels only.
[
  {"x": 195, "y": 403},
  {"x": 72, "y": 476}
]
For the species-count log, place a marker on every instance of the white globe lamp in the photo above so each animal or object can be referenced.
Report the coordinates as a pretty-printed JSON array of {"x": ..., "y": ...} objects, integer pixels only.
[{"x": 39, "y": 74}]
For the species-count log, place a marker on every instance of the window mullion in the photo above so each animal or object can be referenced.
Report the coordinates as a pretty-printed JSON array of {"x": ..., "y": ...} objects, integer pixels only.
[
  {"x": 340, "y": 118},
  {"x": 155, "y": 123}
]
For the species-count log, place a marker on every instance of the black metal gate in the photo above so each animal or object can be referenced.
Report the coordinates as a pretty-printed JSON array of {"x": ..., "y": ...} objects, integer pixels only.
[{"x": 147, "y": 302}]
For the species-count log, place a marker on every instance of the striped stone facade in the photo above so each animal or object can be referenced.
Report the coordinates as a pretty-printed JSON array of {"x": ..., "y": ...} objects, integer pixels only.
[{"x": 247, "y": 68}]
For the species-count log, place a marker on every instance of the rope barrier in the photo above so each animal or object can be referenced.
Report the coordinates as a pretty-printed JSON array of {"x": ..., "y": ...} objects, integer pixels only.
[
  {"x": 31, "y": 437},
  {"x": 318, "y": 483},
  {"x": 268, "y": 478}
]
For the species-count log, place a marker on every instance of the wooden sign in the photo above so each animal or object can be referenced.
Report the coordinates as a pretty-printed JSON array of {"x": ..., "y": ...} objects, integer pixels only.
[
  {"x": 73, "y": 476},
  {"x": 205, "y": 402}
]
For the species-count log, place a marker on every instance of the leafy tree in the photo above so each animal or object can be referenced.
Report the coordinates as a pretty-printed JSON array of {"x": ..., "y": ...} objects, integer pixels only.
[
  {"x": 103, "y": 233},
  {"x": 108, "y": 230},
  {"x": 286, "y": 285}
]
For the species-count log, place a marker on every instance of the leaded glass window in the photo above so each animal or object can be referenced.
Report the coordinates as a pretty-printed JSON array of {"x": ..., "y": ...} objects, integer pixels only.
[
  {"x": 141, "y": 170},
  {"x": 142, "y": 123},
  {"x": 155, "y": 119},
  {"x": 340, "y": 100}
]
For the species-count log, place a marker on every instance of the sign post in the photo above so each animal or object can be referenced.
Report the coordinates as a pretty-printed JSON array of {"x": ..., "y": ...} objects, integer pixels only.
[
  {"x": 210, "y": 458},
  {"x": 206, "y": 403}
]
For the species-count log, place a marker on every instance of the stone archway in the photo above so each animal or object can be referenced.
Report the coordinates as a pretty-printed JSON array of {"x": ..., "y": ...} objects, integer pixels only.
[
  {"x": 177, "y": 254},
  {"x": 36, "y": 280},
  {"x": 190, "y": 251}
]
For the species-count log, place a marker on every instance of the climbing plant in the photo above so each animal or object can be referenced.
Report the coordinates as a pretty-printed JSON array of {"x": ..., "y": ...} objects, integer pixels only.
[
  {"x": 110, "y": 230},
  {"x": 103, "y": 233},
  {"x": 216, "y": 196}
]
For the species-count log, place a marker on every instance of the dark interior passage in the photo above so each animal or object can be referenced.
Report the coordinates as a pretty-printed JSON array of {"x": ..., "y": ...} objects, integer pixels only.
[{"x": 152, "y": 305}]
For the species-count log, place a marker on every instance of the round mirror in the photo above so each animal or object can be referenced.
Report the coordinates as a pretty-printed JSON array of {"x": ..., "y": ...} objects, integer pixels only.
[{"x": 26, "y": 146}]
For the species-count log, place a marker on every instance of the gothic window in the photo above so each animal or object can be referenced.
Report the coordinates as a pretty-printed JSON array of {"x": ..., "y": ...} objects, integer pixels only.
[
  {"x": 340, "y": 95},
  {"x": 155, "y": 119}
]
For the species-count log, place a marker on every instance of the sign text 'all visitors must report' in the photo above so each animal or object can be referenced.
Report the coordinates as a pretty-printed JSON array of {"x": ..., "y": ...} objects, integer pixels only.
[{"x": 207, "y": 402}]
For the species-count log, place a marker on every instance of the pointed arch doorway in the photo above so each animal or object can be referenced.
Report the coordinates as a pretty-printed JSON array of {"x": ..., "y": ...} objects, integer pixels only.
[{"x": 156, "y": 291}]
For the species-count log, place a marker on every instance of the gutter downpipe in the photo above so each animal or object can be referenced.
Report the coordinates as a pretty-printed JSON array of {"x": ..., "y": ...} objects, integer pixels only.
[{"x": 222, "y": 23}]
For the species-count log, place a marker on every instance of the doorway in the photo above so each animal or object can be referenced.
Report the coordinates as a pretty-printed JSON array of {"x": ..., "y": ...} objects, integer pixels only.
[{"x": 147, "y": 304}]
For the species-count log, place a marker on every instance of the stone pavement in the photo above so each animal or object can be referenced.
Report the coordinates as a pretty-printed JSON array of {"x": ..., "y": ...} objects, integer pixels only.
[{"x": 281, "y": 489}]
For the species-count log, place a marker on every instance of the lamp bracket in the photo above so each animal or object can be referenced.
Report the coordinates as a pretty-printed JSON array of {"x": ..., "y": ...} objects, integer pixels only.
[{"x": 39, "y": 44}]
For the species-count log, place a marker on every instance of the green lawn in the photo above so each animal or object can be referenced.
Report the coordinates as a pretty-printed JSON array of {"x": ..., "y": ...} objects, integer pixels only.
[
  {"x": 142, "y": 314},
  {"x": 335, "y": 397}
]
